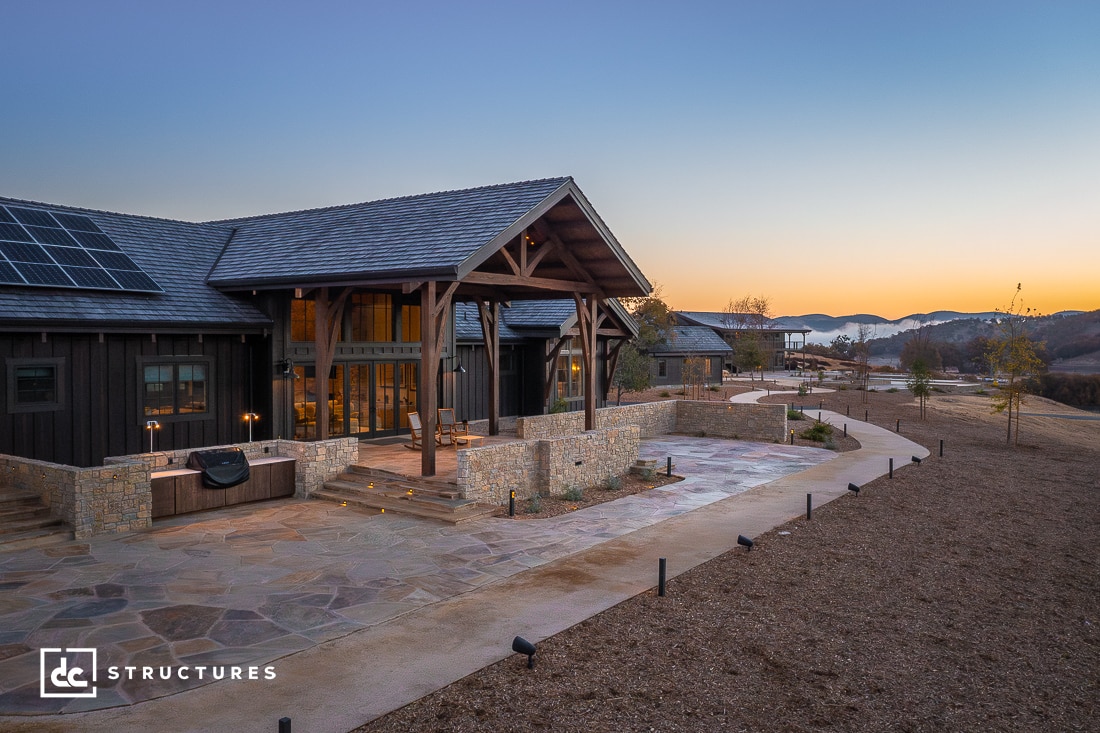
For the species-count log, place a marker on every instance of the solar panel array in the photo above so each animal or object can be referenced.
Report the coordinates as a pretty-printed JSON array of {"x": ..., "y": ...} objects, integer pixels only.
[{"x": 55, "y": 249}]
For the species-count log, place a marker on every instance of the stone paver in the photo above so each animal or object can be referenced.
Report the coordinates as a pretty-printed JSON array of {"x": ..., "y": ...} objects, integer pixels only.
[{"x": 250, "y": 585}]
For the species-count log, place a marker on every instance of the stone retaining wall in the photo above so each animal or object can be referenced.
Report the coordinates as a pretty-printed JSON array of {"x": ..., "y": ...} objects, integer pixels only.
[
  {"x": 546, "y": 466},
  {"x": 96, "y": 500},
  {"x": 719, "y": 419},
  {"x": 722, "y": 420}
]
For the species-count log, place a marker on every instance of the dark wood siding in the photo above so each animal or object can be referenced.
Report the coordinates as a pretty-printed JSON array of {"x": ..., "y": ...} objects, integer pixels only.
[{"x": 101, "y": 414}]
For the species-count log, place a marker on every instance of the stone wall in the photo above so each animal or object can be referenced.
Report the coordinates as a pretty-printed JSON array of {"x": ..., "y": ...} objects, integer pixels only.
[
  {"x": 586, "y": 460},
  {"x": 719, "y": 419},
  {"x": 318, "y": 461},
  {"x": 546, "y": 466},
  {"x": 487, "y": 474},
  {"x": 723, "y": 420},
  {"x": 97, "y": 500}
]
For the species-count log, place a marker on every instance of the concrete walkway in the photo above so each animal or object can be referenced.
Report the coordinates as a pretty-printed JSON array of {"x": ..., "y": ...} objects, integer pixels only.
[{"x": 345, "y": 681}]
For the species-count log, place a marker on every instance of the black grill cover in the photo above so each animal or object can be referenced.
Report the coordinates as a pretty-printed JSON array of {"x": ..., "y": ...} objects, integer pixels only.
[{"x": 220, "y": 468}]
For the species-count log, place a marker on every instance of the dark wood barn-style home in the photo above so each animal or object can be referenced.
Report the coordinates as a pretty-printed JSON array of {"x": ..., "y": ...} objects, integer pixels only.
[{"x": 116, "y": 329}]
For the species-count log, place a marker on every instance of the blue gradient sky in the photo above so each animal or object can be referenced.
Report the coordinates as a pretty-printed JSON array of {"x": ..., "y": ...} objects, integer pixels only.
[{"x": 838, "y": 157}]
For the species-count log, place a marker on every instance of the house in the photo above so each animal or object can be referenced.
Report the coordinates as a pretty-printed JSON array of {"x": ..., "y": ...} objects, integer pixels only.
[
  {"x": 690, "y": 355},
  {"x": 120, "y": 331},
  {"x": 778, "y": 344}
]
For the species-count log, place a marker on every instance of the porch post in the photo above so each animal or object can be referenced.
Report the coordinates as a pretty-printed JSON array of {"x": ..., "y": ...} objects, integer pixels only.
[
  {"x": 429, "y": 373},
  {"x": 586, "y": 323},
  {"x": 489, "y": 312}
]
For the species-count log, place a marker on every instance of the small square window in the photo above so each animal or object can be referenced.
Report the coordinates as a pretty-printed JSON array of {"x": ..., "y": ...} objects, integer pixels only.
[
  {"x": 35, "y": 385},
  {"x": 662, "y": 368}
]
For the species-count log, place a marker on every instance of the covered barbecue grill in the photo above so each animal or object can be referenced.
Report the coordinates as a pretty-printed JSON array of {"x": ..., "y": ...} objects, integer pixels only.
[{"x": 220, "y": 468}]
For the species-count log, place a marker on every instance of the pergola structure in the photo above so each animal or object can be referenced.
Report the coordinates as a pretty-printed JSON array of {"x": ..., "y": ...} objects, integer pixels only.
[{"x": 535, "y": 240}]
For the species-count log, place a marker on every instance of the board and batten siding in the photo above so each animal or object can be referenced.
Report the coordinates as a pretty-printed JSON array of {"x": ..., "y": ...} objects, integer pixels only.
[{"x": 101, "y": 413}]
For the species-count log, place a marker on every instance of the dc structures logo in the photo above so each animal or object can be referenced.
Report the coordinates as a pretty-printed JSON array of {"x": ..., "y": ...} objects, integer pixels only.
[{"x": 67, "y": 672}]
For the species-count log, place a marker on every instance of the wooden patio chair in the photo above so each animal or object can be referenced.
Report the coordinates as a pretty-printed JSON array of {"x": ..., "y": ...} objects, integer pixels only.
[
  {"x": 416, "y": 433},
  {"x": 447, "y": 427}
]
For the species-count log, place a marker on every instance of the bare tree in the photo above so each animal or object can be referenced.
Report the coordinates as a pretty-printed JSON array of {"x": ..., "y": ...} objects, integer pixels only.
[
  {"x": 1015, "y": 361},
  {"x": 862, "y": 351}
]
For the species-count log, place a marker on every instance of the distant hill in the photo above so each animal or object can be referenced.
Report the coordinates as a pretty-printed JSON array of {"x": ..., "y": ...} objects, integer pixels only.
[
  {"x": 1071, "y": 340},
  {"x": 826, "y": 328}
]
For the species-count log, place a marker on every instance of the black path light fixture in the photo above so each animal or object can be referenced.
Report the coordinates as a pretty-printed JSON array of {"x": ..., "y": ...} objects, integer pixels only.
[
  {"x": 522, "y": 646},
  {"x": 853, "y": 488},
  {"x": 745, "y": 542},
  {"x": 916, "y": 460}
]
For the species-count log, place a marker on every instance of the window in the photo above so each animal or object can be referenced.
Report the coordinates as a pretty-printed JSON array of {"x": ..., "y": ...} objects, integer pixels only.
[
  {"x": 662, "y": 368},
  {"x": 301, "y": 320},
  {"x": 371, "y": 316},
  {"x": 410, "y": 323},
  {"x": 35, "y": 385},
  {"x": 174, "y": 389}
]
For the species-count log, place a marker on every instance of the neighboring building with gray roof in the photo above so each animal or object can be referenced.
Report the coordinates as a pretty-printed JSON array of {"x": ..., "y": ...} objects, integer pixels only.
[{"x": 690, "y": 354}]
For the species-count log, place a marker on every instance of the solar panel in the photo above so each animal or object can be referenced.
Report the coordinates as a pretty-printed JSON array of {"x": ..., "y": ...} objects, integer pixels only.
[
  {"x": 8, "y": 274},
  {"x": 33, "y": 216},
  {"x": 43, "y": 274},
  {"x": 57, "y": 249}
]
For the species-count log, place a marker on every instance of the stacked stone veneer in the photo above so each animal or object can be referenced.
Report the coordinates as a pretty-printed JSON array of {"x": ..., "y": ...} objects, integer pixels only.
[
  {"x": 718, "y": 419},
  {"x": 96, "y": 500},
  {"x": 117, "y": 496},
  {"x": 547, "y": 466},
  {"x": 725, "y": 420}
]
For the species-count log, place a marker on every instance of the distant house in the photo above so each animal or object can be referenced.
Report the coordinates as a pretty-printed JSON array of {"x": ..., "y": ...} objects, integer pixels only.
[
  {"x": 327, "y": 322},
  {"x": 778, "y": 343},
  {"x": 691, "y": 355}
]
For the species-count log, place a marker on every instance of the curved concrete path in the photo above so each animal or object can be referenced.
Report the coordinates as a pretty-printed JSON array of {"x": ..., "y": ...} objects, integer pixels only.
[{"x": 345, "y": 682}]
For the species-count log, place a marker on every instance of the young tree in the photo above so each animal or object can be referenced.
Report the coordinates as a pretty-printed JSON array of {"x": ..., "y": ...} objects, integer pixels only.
[
  {"x": 1015, "y": 360},
  {"x": 631, "y": 371},
  {"x": 842, "y": 345},
  {"x": 654, "y": 317},
  {"x": 920, "y": 383},
  {"x": 748, "y": 353},
  {"x": 748, "y": 317},
  {"x": 694, "y": 372},
  {"x": 862, "y": 352}
]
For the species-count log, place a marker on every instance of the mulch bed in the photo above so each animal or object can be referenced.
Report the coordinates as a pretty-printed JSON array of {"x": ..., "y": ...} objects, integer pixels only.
[
  {"x": 631, "y": 483},
  {"x": 962, "y": 595}
]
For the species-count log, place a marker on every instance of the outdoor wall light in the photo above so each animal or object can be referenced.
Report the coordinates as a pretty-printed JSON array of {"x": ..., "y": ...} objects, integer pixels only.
[
  {"x": 522, "y": 646},
  {"x": 853, "y": 488},
  {"x": 250, "y": 417},
  {"x": 459, "y": 369},
  {"x": 288, "y": 369},
  {"x": 745, "y": 542}
]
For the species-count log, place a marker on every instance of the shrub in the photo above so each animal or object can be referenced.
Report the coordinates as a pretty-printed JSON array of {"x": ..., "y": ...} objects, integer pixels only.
[
  {"x": 573, "y": 493},
  {"x": 802, "y": 391},
  {"x": 665, "y": 393},
  {"x": 892, "y": 390},
  {"x": 830, "y": 444},
  {"x": 713, "y": 388},
  {"x": 558, "y": 405},
  {"x": 795, "y": 415},
  {"x": 534, "y": 504},
  {"x": 817, "y": 432},
  {"x": 680, "y": 391},
  {"x": 614, "y": 483}
]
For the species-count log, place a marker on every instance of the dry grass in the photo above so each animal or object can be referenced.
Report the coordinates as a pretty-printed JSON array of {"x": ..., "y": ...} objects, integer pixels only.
[{"x": 963, "y": 595}]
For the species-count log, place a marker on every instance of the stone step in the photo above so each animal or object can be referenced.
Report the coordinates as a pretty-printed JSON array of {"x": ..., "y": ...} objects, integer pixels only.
[
  {"x": 16, "y": 497},
  {"x": 373, "y": 479},
  {"x": 19, "y": 512},
  {"x": 42, "y": 537},
  {"x": 450, "y": 511},
  {"x": 14, "y": 526}
]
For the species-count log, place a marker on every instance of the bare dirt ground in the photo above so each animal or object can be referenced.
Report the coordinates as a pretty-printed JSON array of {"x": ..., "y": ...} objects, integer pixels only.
[{"x": 962, "y": 595}]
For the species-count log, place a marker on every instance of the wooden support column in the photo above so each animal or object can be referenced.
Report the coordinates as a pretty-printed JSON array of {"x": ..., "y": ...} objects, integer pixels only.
[
  {"x": 434, "y": 308},
  {"x": 328, "y": 317},
  {"x": 612, "y": 363},
  {"x": 586, "y": 323},
  {"x": 489, "y": 312}
]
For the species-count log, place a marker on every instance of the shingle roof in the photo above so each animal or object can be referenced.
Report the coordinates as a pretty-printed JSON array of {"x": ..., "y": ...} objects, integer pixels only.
[
  {"x": 695, "y": 340},
  {"x": 176, "y": 254},
  {"x": 430, "y": 233},
  {"x": 522, "y": 315}
]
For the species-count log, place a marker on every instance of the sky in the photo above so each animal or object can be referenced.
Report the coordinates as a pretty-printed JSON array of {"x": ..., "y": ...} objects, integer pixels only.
[{"x": 835, "y": 157}]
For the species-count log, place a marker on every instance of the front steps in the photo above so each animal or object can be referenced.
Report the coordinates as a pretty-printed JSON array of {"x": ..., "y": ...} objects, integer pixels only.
[
  {"x": 26, "y": 522},
  {"x": 419, "y": 496}
]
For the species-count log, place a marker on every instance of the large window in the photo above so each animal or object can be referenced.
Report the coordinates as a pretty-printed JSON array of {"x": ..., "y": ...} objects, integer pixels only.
[
  {"x": 371, "y": 316},
  {"x": 301, "y": 320},
  {"x": 175, "y": 388},
  {"x": 570, "y": 373},
  {"x": 35, "y": 385}
]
